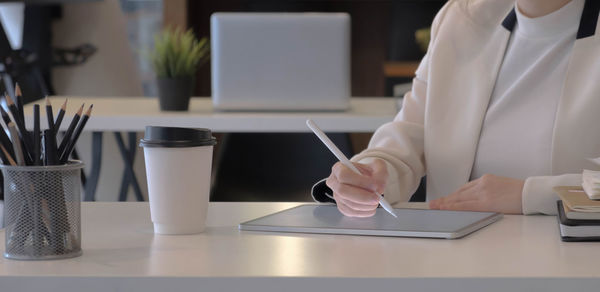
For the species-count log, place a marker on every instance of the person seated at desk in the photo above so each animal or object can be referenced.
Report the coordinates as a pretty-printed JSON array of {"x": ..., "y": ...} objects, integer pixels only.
[{"x": 505, "y": 105}]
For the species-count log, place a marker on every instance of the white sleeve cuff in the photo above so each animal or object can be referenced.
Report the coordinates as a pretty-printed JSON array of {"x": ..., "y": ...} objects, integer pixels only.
[{"x": 538, "y": 196}]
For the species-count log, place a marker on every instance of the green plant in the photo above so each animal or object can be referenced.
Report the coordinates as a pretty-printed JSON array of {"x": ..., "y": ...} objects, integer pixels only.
[{"x": 178, "y": 53}]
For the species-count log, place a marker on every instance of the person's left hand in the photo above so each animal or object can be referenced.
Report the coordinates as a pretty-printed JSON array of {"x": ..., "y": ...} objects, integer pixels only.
[{"x": 488, "y": 193}]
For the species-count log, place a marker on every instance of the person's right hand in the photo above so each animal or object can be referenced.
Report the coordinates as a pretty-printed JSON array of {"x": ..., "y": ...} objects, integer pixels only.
[{"x": 356, "y": 194}]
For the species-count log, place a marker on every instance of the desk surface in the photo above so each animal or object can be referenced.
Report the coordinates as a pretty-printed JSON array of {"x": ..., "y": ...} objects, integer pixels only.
[
  {"x": 120, "y": 251},
  {"x": 134, "y": 113}
]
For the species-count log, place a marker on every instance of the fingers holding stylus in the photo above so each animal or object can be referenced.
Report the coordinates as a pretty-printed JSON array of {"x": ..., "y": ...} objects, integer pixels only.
[
  {"x": 352, "y": 212},
  {"x": 373, "y": 176},
  {"x": 355, "y": 194},
  {"x": 377, "y": 175},
  {"x": 351, "y": 193},
  {"x": 353, "y": 205}
]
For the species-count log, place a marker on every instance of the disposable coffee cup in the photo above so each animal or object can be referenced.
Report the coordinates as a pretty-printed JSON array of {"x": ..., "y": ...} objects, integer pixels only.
[{"x": 178, "y": 170}]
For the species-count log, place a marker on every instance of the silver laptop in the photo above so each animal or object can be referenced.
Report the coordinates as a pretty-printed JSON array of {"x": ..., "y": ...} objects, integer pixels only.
[
  {"x": 280, "y": 61},
  {"x": 410, "y": 222}
]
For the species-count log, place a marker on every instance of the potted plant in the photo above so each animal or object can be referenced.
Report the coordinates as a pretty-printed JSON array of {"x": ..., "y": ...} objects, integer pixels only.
[{"x": 176, "y": 57}]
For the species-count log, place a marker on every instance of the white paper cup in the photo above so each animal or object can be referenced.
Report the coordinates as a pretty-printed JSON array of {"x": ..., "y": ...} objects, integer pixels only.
[{"x": 178, "y": 170}]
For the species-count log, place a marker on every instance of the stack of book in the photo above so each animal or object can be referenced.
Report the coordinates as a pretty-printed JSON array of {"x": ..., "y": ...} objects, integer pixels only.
[{"x": 578, "y": 215}]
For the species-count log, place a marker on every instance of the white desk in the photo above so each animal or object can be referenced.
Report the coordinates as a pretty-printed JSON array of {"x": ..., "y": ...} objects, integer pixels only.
[
  {"x": 135, "y": 113},
  {"x": 120, "y": 253}
]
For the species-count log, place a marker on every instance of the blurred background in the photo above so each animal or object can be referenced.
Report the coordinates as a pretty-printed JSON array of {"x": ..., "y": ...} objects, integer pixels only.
[{"x": 98, "y": 48}]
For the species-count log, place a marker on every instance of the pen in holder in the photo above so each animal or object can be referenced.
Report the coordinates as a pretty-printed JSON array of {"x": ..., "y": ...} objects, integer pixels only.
[
  {"x": 42, "y": 211},
  {"x": 42, "y": 188}
]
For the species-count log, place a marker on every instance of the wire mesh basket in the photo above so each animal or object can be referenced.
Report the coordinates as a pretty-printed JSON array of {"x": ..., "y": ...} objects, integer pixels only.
[{"x": 42, "y": 211}]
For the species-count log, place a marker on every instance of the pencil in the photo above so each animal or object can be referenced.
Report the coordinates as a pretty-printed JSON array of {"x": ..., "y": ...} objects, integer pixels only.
[
  {"x": 19, "y": 101},
  {"x": 59, "y": 219},
  {"x": 10, "y": 161},
  {"x": 49, "y": 114},
  {"x": 18, "y": 89},
  {"x": 50, "y": 147},
  {"x": 3, "y": 156},
  {"x": 26, "y": 149},
  {"x": 16, "y": 143},
  {"x": 12, "y": 107},
  {"x": 78, "y": 130},
  {"x": 67, "y": 137},
  {"x": 36, "y": 135},
  {"x": 5, "y": 116},
  {"x": 4, "y": 139},
  {"x": 60, "y": 116},
  {"x": 3, "y": 136}
]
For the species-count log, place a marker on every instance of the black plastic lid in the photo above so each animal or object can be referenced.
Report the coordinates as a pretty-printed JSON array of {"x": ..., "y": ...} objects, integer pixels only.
[{"x": 171, "y": 137}]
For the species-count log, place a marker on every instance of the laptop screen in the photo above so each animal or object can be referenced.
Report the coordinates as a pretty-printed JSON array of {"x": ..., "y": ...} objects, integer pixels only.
[{"x": 280, "y": 61}]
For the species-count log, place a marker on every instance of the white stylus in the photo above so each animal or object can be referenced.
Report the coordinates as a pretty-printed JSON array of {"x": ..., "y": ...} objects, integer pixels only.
[{"x": 344, "y": 160}]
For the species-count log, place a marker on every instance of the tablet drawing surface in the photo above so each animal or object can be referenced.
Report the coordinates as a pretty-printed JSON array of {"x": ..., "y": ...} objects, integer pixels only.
[{"x": 410, "y": 223}]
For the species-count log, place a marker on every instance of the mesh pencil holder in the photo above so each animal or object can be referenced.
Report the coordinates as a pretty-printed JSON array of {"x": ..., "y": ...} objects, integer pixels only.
[{"x": 42, "y": 211}]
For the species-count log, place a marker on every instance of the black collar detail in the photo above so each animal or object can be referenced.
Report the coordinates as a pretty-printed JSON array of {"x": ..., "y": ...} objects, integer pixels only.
[
  {"x": 589, "y": 19},
  {"x": 510, "y": 20},
  {"x": 587, "y": 25}
]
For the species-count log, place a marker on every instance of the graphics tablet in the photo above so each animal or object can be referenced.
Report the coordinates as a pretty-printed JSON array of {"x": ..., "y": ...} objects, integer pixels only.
[{"x": 410, "y": 223}]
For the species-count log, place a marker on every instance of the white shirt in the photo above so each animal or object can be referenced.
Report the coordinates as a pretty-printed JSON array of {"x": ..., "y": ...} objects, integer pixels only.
[
  {"x": 438, "y": 130},
  {"x": 518, "y": 126}
]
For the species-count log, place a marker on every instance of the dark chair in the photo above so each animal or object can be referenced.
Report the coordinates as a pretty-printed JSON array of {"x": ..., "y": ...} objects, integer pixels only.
[
  {"x": 421, "y": 192},
  {"x": 273, "y": 167}
]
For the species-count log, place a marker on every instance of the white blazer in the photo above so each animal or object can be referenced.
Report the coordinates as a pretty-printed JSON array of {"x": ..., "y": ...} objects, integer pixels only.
[{"x": 437, "y": 131}]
